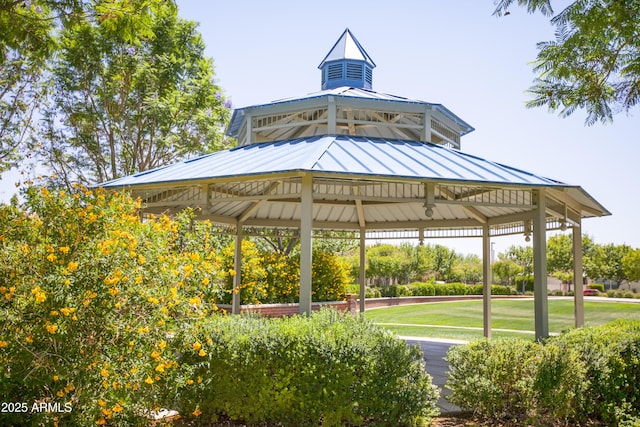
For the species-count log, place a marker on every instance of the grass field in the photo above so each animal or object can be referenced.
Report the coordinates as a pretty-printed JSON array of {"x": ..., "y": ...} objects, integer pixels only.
[{"x": 510, "y": 318}]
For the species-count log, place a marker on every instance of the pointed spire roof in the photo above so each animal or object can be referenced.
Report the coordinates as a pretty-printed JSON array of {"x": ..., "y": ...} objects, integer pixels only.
[{"x": 347, "y": 47}]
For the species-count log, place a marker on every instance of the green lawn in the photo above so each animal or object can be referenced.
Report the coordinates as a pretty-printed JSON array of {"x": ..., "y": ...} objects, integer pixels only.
[{"x": 463, "y": 319}]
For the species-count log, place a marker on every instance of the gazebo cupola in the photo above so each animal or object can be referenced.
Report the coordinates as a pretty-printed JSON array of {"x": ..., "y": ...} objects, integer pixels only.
[
  {"x": 347, "y": 64},
  {"x": 347, "y": 105}
]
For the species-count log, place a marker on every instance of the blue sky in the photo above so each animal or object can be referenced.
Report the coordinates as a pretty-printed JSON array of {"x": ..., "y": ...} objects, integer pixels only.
[{"x": 454, "y": 53}]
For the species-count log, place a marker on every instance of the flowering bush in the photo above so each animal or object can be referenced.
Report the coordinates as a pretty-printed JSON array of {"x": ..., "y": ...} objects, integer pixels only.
[
  {"x": 89, "y": 298},
  {"x": 272, "y": 277}
]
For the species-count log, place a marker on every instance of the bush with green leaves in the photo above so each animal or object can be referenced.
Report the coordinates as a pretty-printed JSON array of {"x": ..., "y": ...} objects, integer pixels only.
[
  {"x": 585, "y": 375},
  {"x": 272, "y": 277},
  {"x": 327, "y": 369}
]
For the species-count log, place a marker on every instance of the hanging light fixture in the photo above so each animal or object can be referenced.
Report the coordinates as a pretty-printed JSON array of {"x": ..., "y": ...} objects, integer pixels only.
[
  {"x": 527, "y": 231},
  {"x": 429, "y": 199}
]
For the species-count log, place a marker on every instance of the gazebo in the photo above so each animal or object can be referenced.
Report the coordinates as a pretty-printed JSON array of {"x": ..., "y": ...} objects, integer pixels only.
[{"x": 350, "y": 159}]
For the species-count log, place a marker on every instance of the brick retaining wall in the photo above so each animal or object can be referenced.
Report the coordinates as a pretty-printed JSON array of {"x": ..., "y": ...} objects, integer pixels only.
[{"x": 281, "y": 310}]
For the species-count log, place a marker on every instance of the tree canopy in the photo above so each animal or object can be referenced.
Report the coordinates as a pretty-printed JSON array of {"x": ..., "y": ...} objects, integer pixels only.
[
  {"x": 100, "y": 89},
  {"x": 594, "y": 62}
]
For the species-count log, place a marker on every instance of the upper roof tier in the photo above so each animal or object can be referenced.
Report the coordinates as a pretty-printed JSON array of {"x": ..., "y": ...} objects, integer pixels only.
[{"x": 347, "y": 105}]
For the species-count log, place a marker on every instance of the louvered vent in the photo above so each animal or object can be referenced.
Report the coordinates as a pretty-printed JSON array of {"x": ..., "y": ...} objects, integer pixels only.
[
  {"x": 334, "y": 72},
  {"x": 368, "y": 76},
  {"x": 354, "y": 71}
]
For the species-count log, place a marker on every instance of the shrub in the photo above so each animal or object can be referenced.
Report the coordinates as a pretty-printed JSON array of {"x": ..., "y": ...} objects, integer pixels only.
[
  {"x": 598, "y": 286},
  {"x": 395, "y": 291},
  {"x": 588, "y": 374},
  {"x": 327, "y": 368},
  {"x": 489, "y": 378},
  {"x": 423, "y": 289},
  {"x": 611, "y": 354},
  {"x": 88, "y": 295}
]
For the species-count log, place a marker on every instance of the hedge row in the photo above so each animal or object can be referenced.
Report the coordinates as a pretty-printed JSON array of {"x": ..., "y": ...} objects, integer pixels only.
[
  {"x": 328, "y": 369},
  {"x": 585, "y": 375},
  {"x": 433, "y": 289}
]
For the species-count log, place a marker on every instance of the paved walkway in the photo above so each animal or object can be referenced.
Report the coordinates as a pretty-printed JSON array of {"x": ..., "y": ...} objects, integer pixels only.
[{"x": 435, "y": 351}]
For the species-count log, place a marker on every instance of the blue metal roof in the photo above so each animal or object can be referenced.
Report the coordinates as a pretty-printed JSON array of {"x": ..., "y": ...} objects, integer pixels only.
[
  {"x": 347, "y": 47},
  {"x": 346, "y": 92},
  {"x": 339, "y": 155}
]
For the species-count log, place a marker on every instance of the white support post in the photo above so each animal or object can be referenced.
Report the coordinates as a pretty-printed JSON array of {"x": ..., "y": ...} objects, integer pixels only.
[
  {"x": 306, "y": 243},
  {"x": 486, "y": 280},
  {"x": 578, "y": 299},
  {"x": 250, "y": 137},
  {"x": 237, "y": 266},
  {"x": 425, "y": 135},
  {"x": 332, "y": 121},
  {"x": 363, "y": 269},
  {"x": 540, "y": 297}
]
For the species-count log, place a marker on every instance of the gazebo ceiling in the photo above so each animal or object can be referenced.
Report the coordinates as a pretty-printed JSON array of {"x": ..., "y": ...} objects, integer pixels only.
[{"x": 380, "y": 184}]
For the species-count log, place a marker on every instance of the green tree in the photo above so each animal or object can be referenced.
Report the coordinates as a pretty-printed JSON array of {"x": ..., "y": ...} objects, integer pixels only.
[
  {"x": 443, "y": 260},
  {"x": 605, "y": 262},
  {"x": 594, "y": 61},
  {"x": 119, "y": 106},
  {"x": 28, "y": 40},
  {"x": 506, "y": 270},
  {"x": 631, "y": 265},
  {"x": 383, "y": 263},
  {"x": 522, "y": 256},
  {"x": 467, "y": 269},
  {"x": 560, "y": 253}
]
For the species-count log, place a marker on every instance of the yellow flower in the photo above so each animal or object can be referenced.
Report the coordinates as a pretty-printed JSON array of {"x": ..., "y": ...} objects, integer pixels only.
[
  {"x": 162, "y": 344},
  {"x": 101, "y": 421},
  {"x": 52, "y": 329},
  {"x": 65, "y": 249},
  {"x": 189, "y": 381},
  {"x": 197, "y": 413},
  {"x": 102, "y": 403},
  {"x": 149, "y": 380},
  {"x": 52, "y": 258},
  {"x": 39, "y": 294},
  {"x": 72, "y": 266},
  {"x": 56, "y": 378},
  {"x": 29, "y": 339},
  {"x": 155, "y": 354},
  {"x": 67, "y": 311},
  {"x": 196, "y": 346},
  {"x": 202, "y": 353},
  {"x": 104, "y": 373},
  {"x": 160, "y": 368},
  {"x": 117, "y": 408},
  {"x": 113, "y": 292},
  {"x": 4, "y": 344}
]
